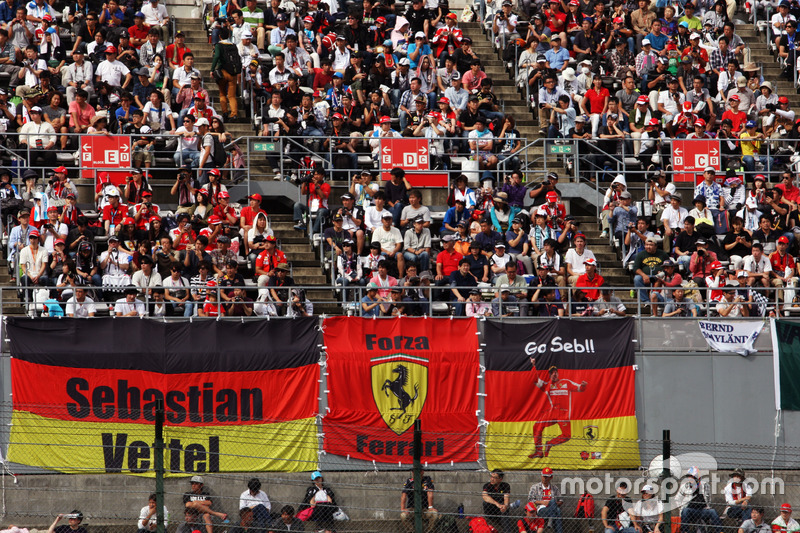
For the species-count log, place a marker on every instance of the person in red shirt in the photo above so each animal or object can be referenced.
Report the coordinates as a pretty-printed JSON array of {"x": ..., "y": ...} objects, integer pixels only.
[
  {"x": 224, "y": 211},
  {"x": 249, "y": 212},
  {"x": 267, "y": 260},
  {"x": 595, "y": 102},
  {"x": 145, "y": 210},
  {"x": 317, "y": 192},
  {"x": 138, "y": 32},
  {"x": 212, "y": 231},
  {"x": 590, "y": 278},
  {"x": 175, "y": 51},
  {"x": 556, "y": 20},
  {"x": 113, "y": 213},
  {"x": 447, "y": 260},
  {"x": 791, "y": 193},
  {"x": 211, "y": 307},
  {"x": 183, "y": 235},
  {"x": 559, "y": 396},
  {"x": 323, "y": 77},
  {"x": 698, "y": 54},
  {"x": 530, "y": 523},
  {"x": 783, "y": 264},
  {"x": 738, "y": 118},
  {"x": 448, "y": 37}
]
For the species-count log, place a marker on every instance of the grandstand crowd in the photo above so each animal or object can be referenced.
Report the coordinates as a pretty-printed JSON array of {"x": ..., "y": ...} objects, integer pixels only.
[{"x": 338, "y": 77}]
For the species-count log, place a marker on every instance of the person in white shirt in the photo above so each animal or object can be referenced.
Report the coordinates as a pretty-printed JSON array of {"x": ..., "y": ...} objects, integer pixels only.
[
  {"x": 257, "y": 501},
  {"x": 247, "y": 50},
  {"x": 341, "y": 55},
  {"x": 148, "y": 516},
  {"x": 52, "y": 229},
  {"x": 187, "y": 150},
  {"x": 112, "y": 71},
  {"x": 737, "y": 495},
  {"x": 757, "y": 266},
  {"x": 374, "y": 213},
  {"x": 78, "y": 75},
  {"x": 38, "y": 138},
  {"x": 80, "y": 305},
  {"x": 576, "y": 257},
  {"x": 129, "y": 306},
  {"x": 33, "y": 261},
  {"x": 730, "y": 305},
  {"x": 114, "y": 263},
  {"x": 672, "y": 218},
  {"x": 156, "y": 16},
  {"x": 671, "y": 100},
  {"x": 146, "y": 277}
]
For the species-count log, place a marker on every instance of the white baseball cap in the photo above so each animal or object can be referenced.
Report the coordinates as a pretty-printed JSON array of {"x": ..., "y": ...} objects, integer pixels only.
[
  {"x": 202, "y": 122},
  {"x": 419, "y": 34}
]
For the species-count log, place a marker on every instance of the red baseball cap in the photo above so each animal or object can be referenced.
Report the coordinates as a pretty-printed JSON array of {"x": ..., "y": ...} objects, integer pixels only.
[
  {"x": 52, "y": 208},
  {"x": 444, "y": 100},
  {"x": 154, "y": 218},
  {"x": 33, "y": 233},
  {"x": 211, "y": 283},
  {"x": 338, "y": 115},
  {"x": 716, "y": 265},
  {"x": 223, "y": 194},
  {"x": 380, "y": 20},
  {"x": 783, "y": 100},
  {"x": 700, "y": 122},
  {"x": 552, "y": 196},
  {"x": 215, "y": 172},
  {"x": 590, "y": 261},
  {"x": 530, "y": 507},
  {"x": 59, "y": 241},
  {"x": 687, "y": 106},
  {"x": 653, "y": 122},
  {"x": 547, "y": 471},
  {"x": 128, "y": 220},
  {"x": 214, "y": 220},
  {"x": 385, "y": 120},
  {"x": 62, "y": 169},
  {"x": 255, "y": 196},
  {"x": 311, "y": 19},
  {"x": 111, "y": 49},
  {"x": 147, "y": 193},
  {"x": 643, "y": 99},
  {"x": 48, "y": 17},
  {"x": 783, "y": 239},
  {"x": 735, "y": 97},
  {"x": 103, "y": 177},
  {"x": 786, "y": 507}
]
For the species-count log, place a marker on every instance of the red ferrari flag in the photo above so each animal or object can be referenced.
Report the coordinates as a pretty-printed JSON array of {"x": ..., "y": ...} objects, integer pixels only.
[{"x": 385, "y": 374}]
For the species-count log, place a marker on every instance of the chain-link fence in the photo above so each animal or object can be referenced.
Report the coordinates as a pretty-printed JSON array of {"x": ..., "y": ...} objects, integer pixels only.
[{"x": 284, "y": 457}]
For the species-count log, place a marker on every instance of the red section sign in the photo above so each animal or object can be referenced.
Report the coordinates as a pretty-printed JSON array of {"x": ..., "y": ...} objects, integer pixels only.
[
  {"x": 411, "y": 155},
  {"x": 690, "y": 157},
  {"x": 104, "y": 153}
]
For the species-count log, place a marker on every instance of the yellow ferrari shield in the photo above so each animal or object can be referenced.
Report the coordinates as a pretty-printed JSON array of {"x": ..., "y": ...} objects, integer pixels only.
[{"x": 399, "y": 387}]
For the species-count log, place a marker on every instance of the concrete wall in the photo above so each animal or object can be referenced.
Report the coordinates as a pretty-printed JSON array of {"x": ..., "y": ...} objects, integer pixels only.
[{"x": 369, "y": 497}]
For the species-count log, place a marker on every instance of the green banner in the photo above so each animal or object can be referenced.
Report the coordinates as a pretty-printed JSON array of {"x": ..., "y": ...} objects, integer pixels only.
[{"x": 786, "y": 345}]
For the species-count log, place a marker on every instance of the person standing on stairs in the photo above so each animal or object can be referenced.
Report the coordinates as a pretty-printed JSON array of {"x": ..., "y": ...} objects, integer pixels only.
[{"x": 226, "y": 68}]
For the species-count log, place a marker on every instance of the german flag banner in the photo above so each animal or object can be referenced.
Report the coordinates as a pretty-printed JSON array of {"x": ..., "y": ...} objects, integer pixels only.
[
  {"x": 560, "y": 394},
  {"x": 238, "y": 397},
  {"x": 385, "y": 374}
]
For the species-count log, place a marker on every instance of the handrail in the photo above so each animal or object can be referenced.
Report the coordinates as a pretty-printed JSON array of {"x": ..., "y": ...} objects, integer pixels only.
[{"x": 435, "y": 297}]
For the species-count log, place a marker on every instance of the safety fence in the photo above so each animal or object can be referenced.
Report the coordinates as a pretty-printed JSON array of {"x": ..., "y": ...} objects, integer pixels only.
[{"x": 652, "y": 301}]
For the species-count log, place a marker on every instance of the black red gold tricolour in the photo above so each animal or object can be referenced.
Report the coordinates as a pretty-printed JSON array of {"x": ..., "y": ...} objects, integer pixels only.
[
  {"x": 385, "y": 374},
  {"x": 238, "y": 397},
  {"x": 560, "y": 394}
]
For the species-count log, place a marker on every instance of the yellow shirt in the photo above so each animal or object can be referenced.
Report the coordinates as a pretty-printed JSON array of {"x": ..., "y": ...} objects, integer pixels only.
[{"x": 749, "y": 147}]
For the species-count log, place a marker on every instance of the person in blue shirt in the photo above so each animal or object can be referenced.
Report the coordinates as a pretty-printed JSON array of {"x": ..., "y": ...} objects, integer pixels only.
[
  {"x": 558, "y": 56},
  {"x": 453, "y": 216},
  {"x": 371, "y": 303},
  {"x": 657, "y": 39},
  {"x": 419, "y": 49},
  {"x": 8, "y": 10}
]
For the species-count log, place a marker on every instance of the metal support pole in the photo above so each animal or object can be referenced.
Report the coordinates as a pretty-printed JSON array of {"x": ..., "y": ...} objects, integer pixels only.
[
  {"x": 159, "y": 465},
  {"x": 417, "y": 476},
  {"x": 666, "y": 473}
]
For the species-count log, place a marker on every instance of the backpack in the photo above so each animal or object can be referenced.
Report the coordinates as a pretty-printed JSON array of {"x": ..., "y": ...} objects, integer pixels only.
[
  {"x": 479, "y": 525},
  {"x": 585, "y": 508},
  {"x": 219, "y": 156},
  {"x": 231, "y": 60},
  {"x": 446, "y": 524}
]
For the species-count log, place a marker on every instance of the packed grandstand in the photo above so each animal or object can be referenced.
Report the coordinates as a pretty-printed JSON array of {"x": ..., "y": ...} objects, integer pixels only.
[{"x": 554, "y": 133}]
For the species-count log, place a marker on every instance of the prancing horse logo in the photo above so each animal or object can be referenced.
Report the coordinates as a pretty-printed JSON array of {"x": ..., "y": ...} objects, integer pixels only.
[
  {"x": 590, "y": 433},
  {"x": 399, "y": 388}
]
